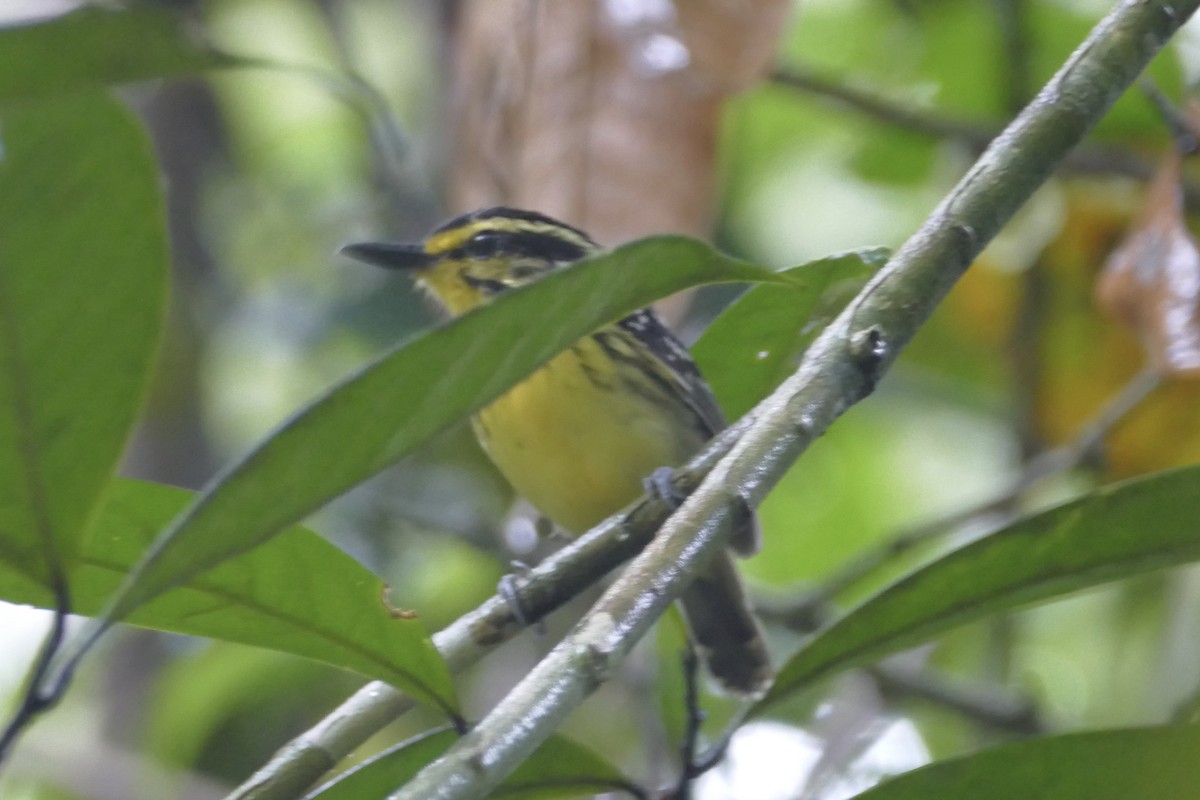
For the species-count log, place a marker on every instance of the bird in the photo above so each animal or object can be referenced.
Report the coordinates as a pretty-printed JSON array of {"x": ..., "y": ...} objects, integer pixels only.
[{"x": 581, "y": 437}]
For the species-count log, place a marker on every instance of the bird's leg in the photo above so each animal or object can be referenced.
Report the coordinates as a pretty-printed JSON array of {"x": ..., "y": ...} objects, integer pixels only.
[
  {"x": 509, "y": 588},
  {"x": 658, "y": 484}
]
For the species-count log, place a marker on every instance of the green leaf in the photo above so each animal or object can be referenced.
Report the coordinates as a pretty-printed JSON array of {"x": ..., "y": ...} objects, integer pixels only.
[
  {"x": 1116, "y": 532},
  {"x": 670, "y": 685},
  {"x": 1106, "y": 765},
  {"x": 408, "y": 396},
  {"x": 95, "y": 47},
  {"x": 382, "y": 774},
  {"x": 755, "y": 343},
  {"x": 297, "y": 594},
  {"x": 83, "y": 277},
  {"x": 560, "y": 768}
]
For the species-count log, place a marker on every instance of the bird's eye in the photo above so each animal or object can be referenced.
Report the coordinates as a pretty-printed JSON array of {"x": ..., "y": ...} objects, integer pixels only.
[{"x": 484, "y": 244}]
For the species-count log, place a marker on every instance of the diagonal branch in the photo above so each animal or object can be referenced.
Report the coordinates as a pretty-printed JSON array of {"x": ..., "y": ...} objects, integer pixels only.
[{"x": 840, "y": 368}]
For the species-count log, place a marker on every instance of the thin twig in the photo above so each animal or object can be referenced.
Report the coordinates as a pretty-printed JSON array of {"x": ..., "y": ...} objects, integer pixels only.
[
  {"x": 716, "y": 751},
  {"x": 1025, "y": 357},
  {"x": 975, "y": 135},
  {"x": 37, "y": 700},
  {"x": 695, "y": 721},
  {"x": 1091, "y": 436},
  {"x": 1182, "y": 129},
  {"x": 1091, "y": 159},
  {"x": 1014, "y": 39},
  {"x": 985, "y": 704}
]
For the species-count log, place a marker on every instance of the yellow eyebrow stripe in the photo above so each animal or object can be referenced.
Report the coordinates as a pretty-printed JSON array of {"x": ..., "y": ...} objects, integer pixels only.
[
  {"x": 455, "y": 237},
  {"x": 444, "y": 242}
]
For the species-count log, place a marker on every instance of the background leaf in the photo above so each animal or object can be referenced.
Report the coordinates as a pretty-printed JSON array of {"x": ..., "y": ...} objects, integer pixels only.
[
  {"x": 1105, "y": 765},
  {"x": 83, "y": 268},
  {"x": 755, "y": 343},
  {"x": 1121, "y": 530},
  {"x": 98, "y": 41}
]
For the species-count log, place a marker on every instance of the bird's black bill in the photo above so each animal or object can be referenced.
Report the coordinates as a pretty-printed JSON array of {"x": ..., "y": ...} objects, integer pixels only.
[{"x": 389, "y": 255}]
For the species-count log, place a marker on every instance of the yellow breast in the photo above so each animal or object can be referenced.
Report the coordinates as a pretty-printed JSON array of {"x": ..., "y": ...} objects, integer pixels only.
[{"x": 576, "y": 441}]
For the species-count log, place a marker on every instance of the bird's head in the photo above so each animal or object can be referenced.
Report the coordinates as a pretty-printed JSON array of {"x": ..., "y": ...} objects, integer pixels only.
[{"x": 471, "y": 258}]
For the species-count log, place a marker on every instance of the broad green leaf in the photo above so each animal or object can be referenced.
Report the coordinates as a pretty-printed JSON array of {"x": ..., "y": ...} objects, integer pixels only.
[
  {"x": 560, "y": 768},
  {"x": 1118, "y": 531},
  {"x": 393, "y": 405},
  {"x": 670, "y": 686},
  {"x": 755, "y": 343},
  {"x": 83, "y": 277},
  {"x": 297, "y": 593},
  {"x": 95, "y": 47},
  {"x": 380, "y": 775},
  {"x": 1157, "y": 763}
]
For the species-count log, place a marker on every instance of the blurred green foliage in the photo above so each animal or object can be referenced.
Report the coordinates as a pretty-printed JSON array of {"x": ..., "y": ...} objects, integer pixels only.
[{"x": 281, "y": 169}]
